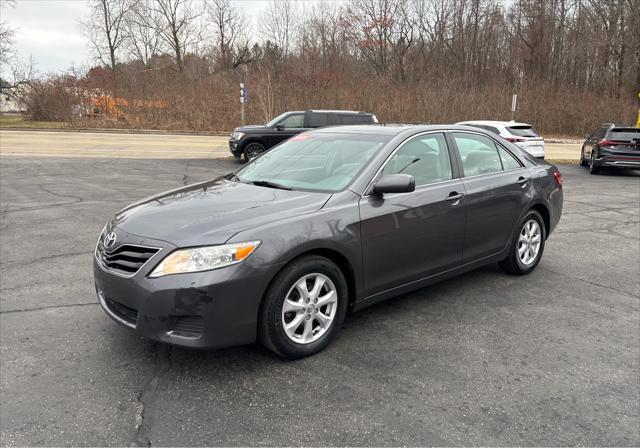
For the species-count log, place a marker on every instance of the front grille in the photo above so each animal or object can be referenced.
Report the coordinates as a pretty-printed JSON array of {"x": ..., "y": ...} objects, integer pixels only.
[
  {"x": 188, "y": 326},
  {"x": 123, "y": 312},
  {"x": 126, "y": 259}
]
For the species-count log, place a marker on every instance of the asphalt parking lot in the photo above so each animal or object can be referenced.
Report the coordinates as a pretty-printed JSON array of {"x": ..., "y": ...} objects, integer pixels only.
[{"x": 485, "y": 359}]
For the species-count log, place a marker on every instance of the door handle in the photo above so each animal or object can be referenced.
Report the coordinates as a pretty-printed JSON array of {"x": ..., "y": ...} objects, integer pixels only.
[
  {"x": 454, "y": 197},
  {"x": 522, "y": 180}
]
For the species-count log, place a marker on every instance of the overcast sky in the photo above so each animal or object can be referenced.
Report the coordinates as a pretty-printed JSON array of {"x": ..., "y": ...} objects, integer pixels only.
[{"x": 48, "y": 31}]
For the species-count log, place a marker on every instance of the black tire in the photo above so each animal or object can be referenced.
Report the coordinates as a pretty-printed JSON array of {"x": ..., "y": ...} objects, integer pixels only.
[
  {"x": 583, "y": 162},
  {"x": 253, "y": 150},
  {"x": 271, "y": 331},
  {"x": 512, "y": 264},
  {"x": 593, "y": 169}
]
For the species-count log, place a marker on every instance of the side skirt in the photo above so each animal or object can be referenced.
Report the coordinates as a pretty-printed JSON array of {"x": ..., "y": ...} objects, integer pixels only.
[{"x": 430, "y": 280}]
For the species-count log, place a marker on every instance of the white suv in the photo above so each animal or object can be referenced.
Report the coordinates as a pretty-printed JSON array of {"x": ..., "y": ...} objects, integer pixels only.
[{"x": 520, "y": 134}]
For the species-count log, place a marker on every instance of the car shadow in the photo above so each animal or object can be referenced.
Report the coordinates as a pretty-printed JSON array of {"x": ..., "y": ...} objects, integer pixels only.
[{"x": 411, "y": 309}]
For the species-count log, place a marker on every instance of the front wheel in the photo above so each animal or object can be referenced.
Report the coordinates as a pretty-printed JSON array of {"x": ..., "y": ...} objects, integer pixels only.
[
  {"x": 527, "y": 247},
  {"x": 583, "y": 162},
  {"x": 304, "y": 307},
  {"x": 253, "y": 150}
]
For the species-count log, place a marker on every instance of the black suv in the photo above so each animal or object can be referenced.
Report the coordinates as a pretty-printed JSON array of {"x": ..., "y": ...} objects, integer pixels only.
[
  {"x": 611, "y": 146},
  {"x": 251, "y": 141}
]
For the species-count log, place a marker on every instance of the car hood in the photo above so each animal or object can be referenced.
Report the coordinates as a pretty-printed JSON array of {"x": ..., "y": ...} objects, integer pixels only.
[
  {"x": 212, "y": 212},
  {"x": 250, "y": 128}
]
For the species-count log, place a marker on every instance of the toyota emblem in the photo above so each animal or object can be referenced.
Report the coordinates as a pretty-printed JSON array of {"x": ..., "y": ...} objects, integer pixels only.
[{"x": 109, "y": 240}]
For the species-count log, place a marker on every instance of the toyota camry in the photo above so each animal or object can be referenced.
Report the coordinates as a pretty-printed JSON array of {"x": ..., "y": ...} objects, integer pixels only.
[{"x": 330, "y": 221}]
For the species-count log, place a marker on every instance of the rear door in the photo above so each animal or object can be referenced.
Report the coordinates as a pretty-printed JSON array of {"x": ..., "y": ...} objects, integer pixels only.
[
  {"x": 497, "y": 186},
  {"x": 317, "y": 120},
  {"x": 408, "y": 236}
]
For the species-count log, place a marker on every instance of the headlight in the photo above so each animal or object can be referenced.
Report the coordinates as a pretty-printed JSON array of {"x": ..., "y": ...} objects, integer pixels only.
[
  {"x": 199, "y": 259},
  {"x": 237, "y": 135}
]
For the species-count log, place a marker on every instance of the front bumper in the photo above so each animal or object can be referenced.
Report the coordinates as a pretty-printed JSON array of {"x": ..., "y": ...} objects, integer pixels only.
[
  {"x": 211, "y": 309},
  {"x": 235, "y": 148}
]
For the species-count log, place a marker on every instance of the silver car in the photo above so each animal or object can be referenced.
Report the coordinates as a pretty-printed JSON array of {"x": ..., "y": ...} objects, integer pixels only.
[{"x": 520, "y": 134}]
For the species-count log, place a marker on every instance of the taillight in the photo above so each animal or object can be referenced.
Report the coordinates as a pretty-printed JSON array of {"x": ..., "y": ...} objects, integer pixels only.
[
  {"x": 514, "y": 140},
  {"x": 558, "y": 178},
  {"x": 607, "y": 143}
]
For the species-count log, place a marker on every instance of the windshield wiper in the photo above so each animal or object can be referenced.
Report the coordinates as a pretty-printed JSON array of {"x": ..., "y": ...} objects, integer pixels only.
[{"x": 266, "y": 183}]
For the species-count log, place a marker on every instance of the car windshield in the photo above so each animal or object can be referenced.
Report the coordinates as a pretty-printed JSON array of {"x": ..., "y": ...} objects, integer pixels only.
[
  {"x": 523, "y": 131},
  {"x": 275, "y": 121},
  {"x": 313, "y": 161}
]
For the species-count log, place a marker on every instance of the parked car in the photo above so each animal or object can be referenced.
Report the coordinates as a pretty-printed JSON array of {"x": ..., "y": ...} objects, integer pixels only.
[
  {"x": 251, "y": 141},
  {"x": 330, "y": 220},
  {"x": 611, "y": 146},
  {"x": 520, "y": 134}
]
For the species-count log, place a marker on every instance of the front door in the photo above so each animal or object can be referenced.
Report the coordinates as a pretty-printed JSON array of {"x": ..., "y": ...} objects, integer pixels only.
[
  {"x": 409, "y": 236},
  {"x": 287, "y": 127}
]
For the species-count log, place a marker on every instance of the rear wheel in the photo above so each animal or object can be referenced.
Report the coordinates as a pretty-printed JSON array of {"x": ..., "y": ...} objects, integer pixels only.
[
  {"x": 527, "y": 246},
  {"x": 593, "y": 169},
  {"x": 253, "y": 150},
  {"x": 304, "y": 307}
]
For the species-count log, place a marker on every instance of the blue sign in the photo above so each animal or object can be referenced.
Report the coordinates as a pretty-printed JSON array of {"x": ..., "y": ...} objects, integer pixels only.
[{"x": 244, "y": 93}]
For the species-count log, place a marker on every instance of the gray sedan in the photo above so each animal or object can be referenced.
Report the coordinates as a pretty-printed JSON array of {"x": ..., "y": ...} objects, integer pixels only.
[{"x": 329, "y": 221}]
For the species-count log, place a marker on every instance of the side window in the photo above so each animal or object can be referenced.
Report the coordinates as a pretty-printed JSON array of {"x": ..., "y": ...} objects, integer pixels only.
[
  {"x": 478, "y": 153},
  {"x": 293, "y": 121},
  {"x": 425, "y": 157},
  {"x": 509, "y": 162},
  {"x": 317, "y": 120},
  {"x": 355, "y": 119}
]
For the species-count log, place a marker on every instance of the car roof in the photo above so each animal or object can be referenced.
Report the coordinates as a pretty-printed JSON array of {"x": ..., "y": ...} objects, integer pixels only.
[
  {"x": 494, "y": 123},
  {"x": 327, "y": 111},
  {"x": 391, "y": 129},
  {"x": 335, "y": 111}
]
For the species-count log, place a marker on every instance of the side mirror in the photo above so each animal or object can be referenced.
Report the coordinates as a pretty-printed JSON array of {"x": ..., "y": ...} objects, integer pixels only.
[
  {"x": 279, "y": 127},
  {"x": 395, "y": 183},
  {"x": 587, "y": 136}
]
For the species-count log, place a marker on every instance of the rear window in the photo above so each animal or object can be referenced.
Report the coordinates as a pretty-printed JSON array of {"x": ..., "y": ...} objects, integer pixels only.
[
  {"x": 523, "y": 131},
  {"x": 624, "y": 134},
  {"x": 486, "y": 128}
]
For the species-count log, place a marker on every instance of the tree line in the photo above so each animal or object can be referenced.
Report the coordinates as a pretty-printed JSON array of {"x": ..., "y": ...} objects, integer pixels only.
[{"x": 573, "y": 63}]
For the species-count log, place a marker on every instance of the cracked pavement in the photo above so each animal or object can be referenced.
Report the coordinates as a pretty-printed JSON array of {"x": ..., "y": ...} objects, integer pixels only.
[{"x": 485, "y": 359}]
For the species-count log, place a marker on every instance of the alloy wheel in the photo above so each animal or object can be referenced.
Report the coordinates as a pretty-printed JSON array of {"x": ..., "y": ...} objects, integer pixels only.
[
  {"x": 254, "y": 150},
  {"x": 309, "y": 308},
  {"x": 529, "y": 242}
]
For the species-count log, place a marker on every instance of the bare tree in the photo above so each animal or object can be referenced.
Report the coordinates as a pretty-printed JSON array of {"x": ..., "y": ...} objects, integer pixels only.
[
  {"x": 278, "y": 23},
  {"x": 179, "y": 27},
  {"x": 105, "y": 28},
  {"x": 7, "y": 35},
  {"x": 230, "y": 33},
  {"x": 142, "y": 36},
  {"x": 372, "y": 29}
]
